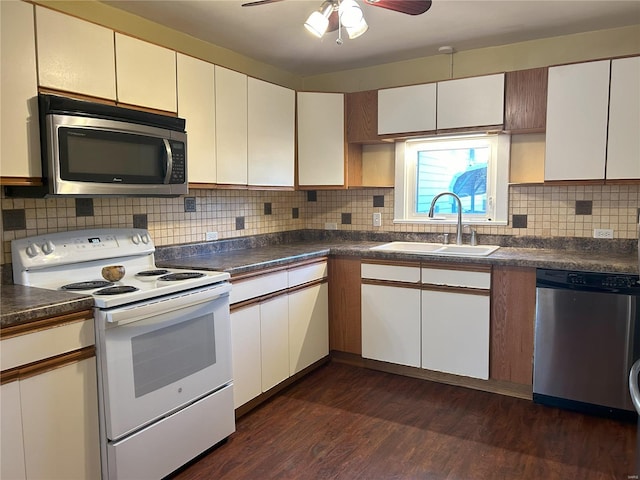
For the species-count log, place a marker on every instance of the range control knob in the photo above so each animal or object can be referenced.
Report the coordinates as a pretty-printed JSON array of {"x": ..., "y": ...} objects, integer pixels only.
[
  {"x": 145, "y": 238},
  {"x": 135, "y": 239},
  {"x": 33, "y": 250},
  {"x": 48, "y": 247}
]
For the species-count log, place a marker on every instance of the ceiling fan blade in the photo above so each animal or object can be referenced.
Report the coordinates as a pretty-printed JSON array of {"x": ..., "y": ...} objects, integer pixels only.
[
  {"x": 410, "y": 7},
  {"x": 259, "y": 2}
]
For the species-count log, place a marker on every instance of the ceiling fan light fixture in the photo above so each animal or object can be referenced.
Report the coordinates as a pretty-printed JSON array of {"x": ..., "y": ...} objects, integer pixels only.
[
  {"x": 318, "y": 21},
  {"x": 355, "y": 32},
  {"x": 350, "y": 13}
]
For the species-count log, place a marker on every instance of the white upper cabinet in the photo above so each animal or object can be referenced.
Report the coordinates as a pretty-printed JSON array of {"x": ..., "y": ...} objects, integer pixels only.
[
  {"x": 20, "y": 146},
  {"x": 146, "y": 74},
  {"x": 321, "y": 139},
  {"x": 407, "y": 109},
  {"x": 577, "y": 106},
  {"x": 231, "y": 126},
  {"x": 471, "y": 102},
  {"x": 197, "y": 105},
  {"x": 75, "y": 55},
  {"x": 623, "y": 150},
  {"x": 270, "y": 134}
]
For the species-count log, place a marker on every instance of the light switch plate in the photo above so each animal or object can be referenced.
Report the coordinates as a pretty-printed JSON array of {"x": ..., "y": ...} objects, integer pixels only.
[{"x": 377, "y": 219}]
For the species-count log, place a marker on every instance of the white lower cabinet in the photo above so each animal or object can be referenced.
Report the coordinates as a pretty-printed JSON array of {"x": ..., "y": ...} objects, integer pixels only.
[
  {"x": 280, "y": 328},
  {"x": 11, "y": 442},
  {"x": 308, "y": 326},
  {"x": 391, "y": 324},
  {"x": 433, "y": 318},
  {"x": 455, "y": 333}
]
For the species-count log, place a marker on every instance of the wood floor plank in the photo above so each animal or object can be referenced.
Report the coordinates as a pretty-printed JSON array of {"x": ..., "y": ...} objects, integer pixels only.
[{"x": 346, "y": 422}]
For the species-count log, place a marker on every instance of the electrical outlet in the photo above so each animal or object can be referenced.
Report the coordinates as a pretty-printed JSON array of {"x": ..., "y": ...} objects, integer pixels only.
[
  {"x": 377, "y": 219},
  {"x": 209, "y": 236},
  {"x": 330, "y": 226},
  {"x": 602, "y": 233}
]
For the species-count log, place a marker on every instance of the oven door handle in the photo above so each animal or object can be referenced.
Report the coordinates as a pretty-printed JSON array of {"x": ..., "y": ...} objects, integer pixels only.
[{"x": 137, "y": 312}]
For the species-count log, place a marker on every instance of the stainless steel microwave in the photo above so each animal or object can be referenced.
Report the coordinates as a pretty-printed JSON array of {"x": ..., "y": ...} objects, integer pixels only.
[{"x": 92, "y": 149}]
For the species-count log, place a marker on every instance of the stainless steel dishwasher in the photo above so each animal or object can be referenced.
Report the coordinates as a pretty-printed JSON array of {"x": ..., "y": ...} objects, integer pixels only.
[{"x": 587, "y": 337}]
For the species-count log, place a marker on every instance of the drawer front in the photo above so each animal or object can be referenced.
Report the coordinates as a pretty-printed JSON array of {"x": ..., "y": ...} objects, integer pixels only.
[
  {"x": 258, "y": 286},
  {"x": 456, "y": 278},
  {"x": 306, "y": 274},
  {"x": 35, "y": 346},
  {"x": 390, "y": 272}
]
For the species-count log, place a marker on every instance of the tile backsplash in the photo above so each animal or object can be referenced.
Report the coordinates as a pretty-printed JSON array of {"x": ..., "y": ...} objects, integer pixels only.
[{"x": 538, "y": 211}]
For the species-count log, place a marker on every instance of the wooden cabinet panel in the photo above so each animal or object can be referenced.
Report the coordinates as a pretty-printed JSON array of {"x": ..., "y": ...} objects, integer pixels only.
[
  {"x": 231, "y": 126},
  {"x": 407, "y": 109},
  {"x": 577, "y": 106},
  {"x": 513, "y": 304},
  {"x": 270, "y": 134},
  {"x": 197, "y": 105},
  {"x": 526, "y": 100},
  {"x": 623, "y": 147},
  {"x": 362, "y": 116},
  {"x": 345, "y": 327},
  {"x": 321, "y": 145},
  {"x": 146, "y": 74},
  {"x": 75, "y": 55},
  {"x": 20, "y": 146}
]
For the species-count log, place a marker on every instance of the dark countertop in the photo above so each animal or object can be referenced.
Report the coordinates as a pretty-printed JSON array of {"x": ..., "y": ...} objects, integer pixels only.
[
  {"x": 22, "y": 304},
  {"x": 254, "y": 259}
]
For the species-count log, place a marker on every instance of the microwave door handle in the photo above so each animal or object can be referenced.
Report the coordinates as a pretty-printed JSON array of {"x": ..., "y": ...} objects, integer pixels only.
[{"x": 169, "y": 160}]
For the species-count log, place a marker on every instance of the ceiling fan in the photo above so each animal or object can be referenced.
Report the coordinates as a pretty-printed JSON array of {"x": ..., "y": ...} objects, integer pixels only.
[{"x": 334, "y": 14}]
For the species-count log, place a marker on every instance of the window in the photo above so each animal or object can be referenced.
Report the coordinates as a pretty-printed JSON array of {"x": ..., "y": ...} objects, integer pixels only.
[{"x": 474, "y": 167}]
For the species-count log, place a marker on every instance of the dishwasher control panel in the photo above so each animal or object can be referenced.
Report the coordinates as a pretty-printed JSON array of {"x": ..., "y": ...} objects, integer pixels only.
[{"x": 608, "y": 282}]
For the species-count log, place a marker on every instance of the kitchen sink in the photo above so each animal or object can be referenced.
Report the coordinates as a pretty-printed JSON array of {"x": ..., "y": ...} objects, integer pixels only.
[{"x": 423, "y": 248}]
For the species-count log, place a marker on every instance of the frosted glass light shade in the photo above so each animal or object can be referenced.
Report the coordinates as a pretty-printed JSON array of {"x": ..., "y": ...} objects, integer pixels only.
[
  {"x": 317, "y": 24},
  {"x": 350, "y": 13},
  {"x": 355, "y": 32}
]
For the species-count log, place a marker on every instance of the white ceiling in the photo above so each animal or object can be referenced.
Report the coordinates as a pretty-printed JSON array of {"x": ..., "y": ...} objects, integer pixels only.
[{"x": 274, "y": 33}]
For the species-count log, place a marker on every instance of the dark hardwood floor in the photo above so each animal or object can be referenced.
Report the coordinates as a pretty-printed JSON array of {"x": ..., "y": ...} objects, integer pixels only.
[{"x": 344, "y": 422}]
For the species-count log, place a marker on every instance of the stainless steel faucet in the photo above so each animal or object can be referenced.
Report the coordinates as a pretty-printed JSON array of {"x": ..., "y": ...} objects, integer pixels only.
[{"x": 459, "y": 228}]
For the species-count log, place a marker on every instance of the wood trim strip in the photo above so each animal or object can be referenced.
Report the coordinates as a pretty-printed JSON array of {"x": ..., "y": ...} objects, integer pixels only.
[
  {"x": 21, "y": 181},
  {"x": 453, "y": 289},
  {"x": 465, "y": 267},
  {"x": 269, "y": 296},
  {"x": 391, "y": 283},
  {"x": 45, "y": 324},
  {"x": 42, "y": 366},
  {"x": 253, "y": 275}
]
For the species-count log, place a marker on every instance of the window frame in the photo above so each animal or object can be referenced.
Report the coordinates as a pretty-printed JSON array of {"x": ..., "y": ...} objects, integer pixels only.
[{"x": 497, "y": 181}]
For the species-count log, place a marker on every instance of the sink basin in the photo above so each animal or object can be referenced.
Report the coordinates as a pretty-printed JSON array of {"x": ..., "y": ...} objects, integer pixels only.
[{"x": 423, "y": 248}]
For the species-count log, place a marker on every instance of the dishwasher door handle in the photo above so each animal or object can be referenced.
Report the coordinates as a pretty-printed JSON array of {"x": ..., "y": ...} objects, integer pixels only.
[{"x": 633, "y": 385}]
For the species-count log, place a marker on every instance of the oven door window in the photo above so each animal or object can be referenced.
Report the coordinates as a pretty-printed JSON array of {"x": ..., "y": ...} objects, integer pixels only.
[
  {"x": 91, "y": 155},
  {"x": 162, "y": 357}
]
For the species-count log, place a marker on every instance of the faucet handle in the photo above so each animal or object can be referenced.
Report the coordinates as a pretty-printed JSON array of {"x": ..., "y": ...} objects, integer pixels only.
[{"x": 445, "y": 238}]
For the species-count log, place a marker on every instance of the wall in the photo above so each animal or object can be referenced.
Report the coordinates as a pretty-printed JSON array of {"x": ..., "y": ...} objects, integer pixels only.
[{"x": 541, "y": 211}]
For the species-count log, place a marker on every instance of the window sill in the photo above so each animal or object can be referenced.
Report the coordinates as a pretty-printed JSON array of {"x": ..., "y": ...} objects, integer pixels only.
[{"x": 450, "y": 222}]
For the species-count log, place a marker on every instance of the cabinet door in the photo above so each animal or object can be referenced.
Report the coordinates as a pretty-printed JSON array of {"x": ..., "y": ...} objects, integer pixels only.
[
  {"x": 407, "y": 109},
  {"x": 471, "y": 102},
  {"x": 245, "y": 345},
  {"x": 271, "y": 134},
  {"x": 74, "y": 55},
  {"x": 308, "y": 327},
  {"x": 577, "y": 105},
  {"x": 623, "y": 149},
  {"x": 197, "y": 105},
  {"x": 274, "y": 341},
  {"x": 455, "y": 333},
  {"x": 391, "y": 324},
  {"x": 146, "y": 74},
  {"x": 231, "y": 126},
  {"x": 321, "y": 156},
  {"x": 11, "y": 443},
  {"x": 60, "y": 422},
  {"x": 20, "y": 146}
]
